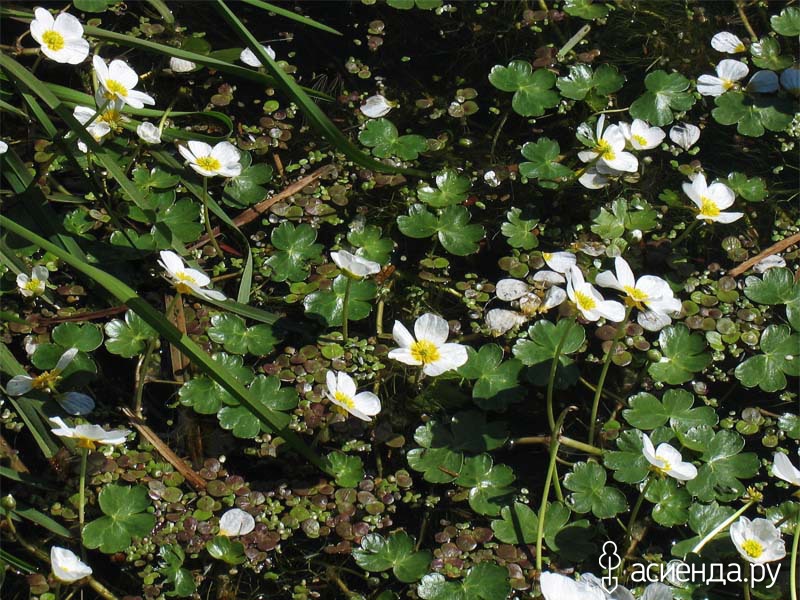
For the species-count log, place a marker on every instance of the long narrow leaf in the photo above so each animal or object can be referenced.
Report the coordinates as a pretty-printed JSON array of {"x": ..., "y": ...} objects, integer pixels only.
[
  {"x": 274, "y": 420},
  {"x": 34, "y": 516},
  {"x": 315, "y": 116},
  {"x": 291, "y": 15}
]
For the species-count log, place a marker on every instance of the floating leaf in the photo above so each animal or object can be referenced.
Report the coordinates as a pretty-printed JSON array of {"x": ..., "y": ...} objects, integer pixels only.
[
  {"x": 776, "y": 287},
  {"x": 682, "y": 355},
  {"x": 234, "y": 335},
  {"x": 124, "y": 518},
  {"x": 581, "y": 81},
  {"x": 295, "y": 247},
  {"x": 753, "y": 190},
  {"x": 225, "y": 549},
  {"x": 752, "y": 115},
  {"x": 628, "y": 461},
  {"x": 671, "y": 502},
  {"x": 497, "y": 385},
  {"x": 543, "y": 155},
  {"x": 451, "y": 188},
  {"x": 348, "y": 470},
  {"x": 128, "y": 338},
  {"x": 247, "y": 188},
  {"x": 766, "y": 54},
  {"x": 329, "y": 304},
  {"x": 181, "y": 580},
  {"x": 724, "y": 465},
  {"x": 648, "y": 412},
  {"x": 395, "y": 552},
  {"x": 544, "y": 339},
  {"x": 519, "y": 231},
  {"x": 489, "y": 484},
  {"x": 787, "y": 23},
  {"x": 454, "y": 230},
  {"x": 371, "y": 245},
  {"x": 780, "y": 357},
  {"x": 517, "y": 525},
  {"x": 585, "y": 9},
  {"x": 533, "y": 90},
  {"x": 485, "y": 581},
  {"x": 666, "y": 92},
  {"x": 382, "y": 136},
  {"x": 587, "y": 481},
  {"x": 86, "y": 337}
]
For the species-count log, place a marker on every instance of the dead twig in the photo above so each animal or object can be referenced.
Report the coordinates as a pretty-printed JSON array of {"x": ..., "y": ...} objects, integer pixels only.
[{"x": 774, "y": 249}]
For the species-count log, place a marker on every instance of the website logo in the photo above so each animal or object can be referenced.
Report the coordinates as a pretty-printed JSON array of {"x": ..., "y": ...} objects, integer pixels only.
[{"x": 609, "y": 561}]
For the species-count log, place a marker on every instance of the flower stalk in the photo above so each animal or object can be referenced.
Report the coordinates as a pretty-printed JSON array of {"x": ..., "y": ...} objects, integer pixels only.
[
  {"x": 207, "y": 220},
  {"x": 346, "y": 309}
]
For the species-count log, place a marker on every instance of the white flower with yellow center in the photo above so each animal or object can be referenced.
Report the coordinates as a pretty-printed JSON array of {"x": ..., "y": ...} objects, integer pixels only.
[
  {"x": 589, "y": 301},
  {"x": 35, "y": 284},
  {"x": 685, "y": 135},
  {"x": 729, "y": 71},
  {"x": 66, "y": 565},
  {"x": 355, "y": 266},
  {"x": 711, "y": 200},
  {"x": 222, "y": 159},
  {"x": 758, "y": 541},
  {"x": 343, "y": 393},
  {"x": 149, "y": 133},
  {"x": 428, "y": 347},
  {"x": 89, "y": 436},
  {"x": 117, "y": 81},
  {"x": 650, "y": 294},
  {"x": 726, "y": 42},
  {"x": 783, "y": 468},
  {"x": 110, "y": 120},
  {"x": 61, "y": 38},
  {"x": 186, "y": 280},
  {"x": 236, "y": 522},
  {"x": 667, "y": 460},
  {"x": 609, "y": 150},
  {"x": 249, "y": 57},
  {"x": 641, "y": 136},
  {"x": 46, "y": 382}
]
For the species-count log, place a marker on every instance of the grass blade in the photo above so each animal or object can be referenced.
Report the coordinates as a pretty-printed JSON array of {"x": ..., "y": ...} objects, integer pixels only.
[
  {"x": 34, "y": 516},
  {"x": 314, "y": 114},
  {"x": 291, "y": 15},
  {"x": 274, "y": 420}
]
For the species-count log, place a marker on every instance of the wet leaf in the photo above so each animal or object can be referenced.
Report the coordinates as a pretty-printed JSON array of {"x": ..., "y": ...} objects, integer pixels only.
[
  {"x": 648, "y": 412},
  {"x": 666, "y": 92},
  {"x": 724, "y": 465},
  {"x": 780, "y": 357},
  {"x": 752, "y": 116},
  {"x": 371, "y": 245},
  {"x": 124, "y": 518},
  {"x": 382, "y": 136},
  {"x": 128, "y": 338},
  {"x": 585, "y": 9},
  {"x": 533, "y": 90},
  {"x": 395, "y": 552},
  {"x": 587, "y": 481},
  {"x": 682, "y": 355},
  {"x": 451, "y": 188},
  {"x": 519, "y": 231},
  {"x": 788, "y": 22},
  {"x": 582, "y": 80},
  {"x": 488, "y": 483},
  {"x": 455, "y": 232},
  {"x": 544, "y": 339},
  {"x": 348, "y": 470},
  {"x": 226, "y": 550},
  {"x": 295, "y": 248},
  {"x": 86, "y": 337},
  {"x": 777, "y": 286},
  {"x": 234, "y": 335},
  {"x": 247, "y": 188},
  {"x": 753, "y": 190},
  {"x": 497, "y": 384},
  {"x": 543, "y": 155},
  {"x": 671, "y": 502},
  {"x": 180, "y": 579},
  {"x": 766, "y": 54},
  {"x": 329, "y": 304}
]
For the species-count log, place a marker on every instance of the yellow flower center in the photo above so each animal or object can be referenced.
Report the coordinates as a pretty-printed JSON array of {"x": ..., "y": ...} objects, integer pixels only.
[
  {"x": 53, "y": 40},
  {"x": 114, "y": 88},
  {"x": 547, "y": 255},
  {"x": 185, "y": 277},
  {"x": 112, "y": 117},
  {"x": 344, "y": 400},
  {"x": 32, "y": 285},
  {"x": 639, "y": 140},
  {"x": 87, "y": 443},
  {"x": 46, "y": 380},
  {"x": 425, "y": 352},
  {"x": 740, "y": 48},
  {"x": 603, "y": 148},
  {"x": 584, "y": 301},
  {"x": 728, "y": 84},
  {"x": 708, "y": 207},
  {"x": 753, "y": 548},
  {"x": 667, "y": 466},
  {"x": 209, "y": 163}
]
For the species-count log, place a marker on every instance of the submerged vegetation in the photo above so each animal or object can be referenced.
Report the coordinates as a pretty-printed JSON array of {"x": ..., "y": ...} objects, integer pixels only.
[{"x": 400, "y": 299}]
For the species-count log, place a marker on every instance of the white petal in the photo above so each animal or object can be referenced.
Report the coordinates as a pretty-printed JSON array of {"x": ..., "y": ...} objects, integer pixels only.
[
  {"x": 345, "y": 384},
  {"x": 555, "y": 296},
  {"x": 783, "y": 468},
  {"x": 40, "y": 272},
  {"x": 66, "y": 358},
  {"x": 226, "y": 153},
  {"x": 622, "y": 161},
  {"x": 611, "y": 310},
  {"x": 587, "y": 155},
  {"x": 403, "y": 355},
  {"x": 66, "y": 565},
  {"x": 171, "y": 262},
  {"x": 118, "y": 70},
  {"x": 200, "y": 278},
  {"x": 708, "y": 85},
  {"x": 187, "y": 153},
  {"x": 683, "y": 471},
  {"x": 367, "y": 403},
  {"x": 199, "y": 149},
  {"x": 727, "y": 42},
  {"x": 330, "y": 380},
  {"x": 432, "y": 328},
  {"x": 375, "y": 107},
  {"x": 731, "y": 70},
  {"x": 500, "y": 320},
  {"x": 511, "y": 289},
  {"x": 727, "y": 217},
  {"x": 560, "y": 262},
  {"x": 138, "y": 99},
  {"x": 19, "y": 385},
  {"x": 652, "y": 320},
  {"x": 149, "y": 133},
  {"x": 451, "y": 357},
  {"x": 624, "y": 273},
  {"x": 402, "y": 336},
  {"x": 770, "y": 262},
  {"x": 685, "y": 135},
  {"x": 100, "y": 67},
  {"x": 607, "y": 279},
  {"x": 593, "y": 180},
  {"x": 236, "y": 522},
  {"x": 74, "y": 52},
  {"x": 549, "y": 277},
  {"x": 179, "y": 65},
  {"x": 648, "y": 450},
  {"x": 68, "y": 26},
  {"x": 721, "y": 194},
  {"x": 763, "y": 82}
]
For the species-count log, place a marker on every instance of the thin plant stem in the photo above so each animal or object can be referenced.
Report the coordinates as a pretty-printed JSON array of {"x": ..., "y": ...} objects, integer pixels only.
[
  {"x": 746, "y": 591},
  {"x": 689, "y": 229},
  {"x": 551, "y": 470},
  {"x": 601, "y": 382},
  {"x": 563, "y": 440},
  {"x": 346, "y": 308},
  {"x": 552, "y": 378},
  {"x": 207, "y": 220},
  {"x": 793, "y": 583},
  {"x": 638, "y": 506},
  {"x": 141, "y": 377},
  {"x": 721, "y": 527}
]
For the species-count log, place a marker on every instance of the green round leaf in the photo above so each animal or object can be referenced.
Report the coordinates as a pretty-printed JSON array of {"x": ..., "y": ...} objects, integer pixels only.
[{"x": 329, "y": 304}]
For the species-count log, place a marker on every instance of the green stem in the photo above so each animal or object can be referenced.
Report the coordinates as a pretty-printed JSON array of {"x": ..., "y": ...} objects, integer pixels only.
[
  {"x": 689, "y": 229},
  {"x": 82, "y": 492},
  {"x": 141, "y": 376},
  {"x": 601, "y": 382},
  {"x": 551, "y": 469},
  {"x": 637, "y": 507},
  {"x": 346, "y": 309},
  {"x": 793, "y": 584},
  {"x": 563, "y": 440},
  {"x": 721, "y": 527},
  {"x": 207, "y": 220},
  {"x": 746, "y": 591},
  {"x": 552, "y": 379}
]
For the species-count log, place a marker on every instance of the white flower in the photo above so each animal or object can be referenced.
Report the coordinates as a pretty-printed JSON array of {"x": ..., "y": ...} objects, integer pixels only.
[
  {"x": 650, "y": 294},
  {"x": 609, "y": 150},
  {"x": 560, "y": 262},
  {"x": 342, "y": 392},
  {"x": 111, "y": 119},
  {"x": 711, "y": 200},
  {"x": 685, "y": 135},
  {"x": 641, "y": 136},
  {"x": 559, "y": 587},
  {"x": 758, "y": 541},
  {"x": 790, "y": 80},
  {"x": 501, "y": 320},
  {"x": 61, "y": 38},
  {"x": 3, "y": 147},
  {"x": 727, "y": 42},
  {"x": 118, "y": 80},
  {"x": 22, "y": 384},
  {"x": 763, "y": 82},
  {"x": 236, "y": 522},
  {"x": 355, "y": 266},
  {"x": 89, "y": 436},
  {"x": 592, "y": 179},
  {"x": 35, "y": 284},
  {"x": 589, "y": 301},
  {"x": 429, "y": 348},
  {"x": 179, "y": 65},
  {"x": 148, "y": 133},
  {"x": 222, "y": 159},
  {"x": 668, "y": 460},
  {"x": 783, "y": 468},
  {"x": 729, "y": 71},
  {"x": 186, "y": 280},
  {"x": 249, "y": 58},
  {"x": 770, "y": 262},
  {"x": 67, "y": 567},
  {"x": 375, "y": 106}
]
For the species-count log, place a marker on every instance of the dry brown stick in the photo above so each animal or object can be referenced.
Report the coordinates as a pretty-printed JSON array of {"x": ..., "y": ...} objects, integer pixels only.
[
  {"x": 252, "y": 213},
  {"x": 774, "y": 249},
  {"x": 85, "y": 316},
  {"x": 176, "y": 461}
]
